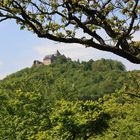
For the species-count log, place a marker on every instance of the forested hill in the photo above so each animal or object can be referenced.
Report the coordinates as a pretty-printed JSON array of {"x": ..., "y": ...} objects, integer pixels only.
[
  {"x": 83, "y": 80},
  {"x": 69, "y": 100}
]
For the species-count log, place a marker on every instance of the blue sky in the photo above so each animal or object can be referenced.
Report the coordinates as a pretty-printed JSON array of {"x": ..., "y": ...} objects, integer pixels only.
[{"x": 19, "y": 48}]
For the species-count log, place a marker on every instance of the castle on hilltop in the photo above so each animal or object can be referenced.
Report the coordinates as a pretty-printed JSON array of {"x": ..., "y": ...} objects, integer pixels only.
[{"x": 47, "y": 60}]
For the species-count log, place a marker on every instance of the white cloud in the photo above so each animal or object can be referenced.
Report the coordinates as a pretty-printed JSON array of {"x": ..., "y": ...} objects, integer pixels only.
[
  {"x": 76, "y": 51},
  {"x": 69, "y": 49}
]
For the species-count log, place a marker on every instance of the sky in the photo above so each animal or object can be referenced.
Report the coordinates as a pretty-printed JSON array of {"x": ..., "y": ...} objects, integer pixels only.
[{"x": 18, "y": 50}]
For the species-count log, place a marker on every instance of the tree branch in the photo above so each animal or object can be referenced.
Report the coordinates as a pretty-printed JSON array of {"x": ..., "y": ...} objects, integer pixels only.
[{"x": 61, "y": 19}]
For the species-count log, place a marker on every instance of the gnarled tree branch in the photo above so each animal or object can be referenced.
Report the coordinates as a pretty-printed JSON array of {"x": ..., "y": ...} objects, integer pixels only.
[{"x": 61, "y": 20}]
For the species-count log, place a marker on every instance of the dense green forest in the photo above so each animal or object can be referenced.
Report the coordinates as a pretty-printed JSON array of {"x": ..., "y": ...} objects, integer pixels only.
[{"x": 71, "y": 100}]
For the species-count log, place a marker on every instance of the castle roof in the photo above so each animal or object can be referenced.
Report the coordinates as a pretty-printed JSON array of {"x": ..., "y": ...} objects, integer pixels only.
[{"x": 52, "y": 56}]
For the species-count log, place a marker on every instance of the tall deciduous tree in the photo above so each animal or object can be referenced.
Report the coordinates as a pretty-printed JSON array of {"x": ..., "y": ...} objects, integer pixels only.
[{"x": 62, "y": 20}]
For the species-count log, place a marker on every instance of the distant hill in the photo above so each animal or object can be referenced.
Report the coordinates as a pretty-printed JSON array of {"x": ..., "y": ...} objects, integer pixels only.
[
  {"x": 70, "y": 100},
  {"x": 85, "y": 80}
]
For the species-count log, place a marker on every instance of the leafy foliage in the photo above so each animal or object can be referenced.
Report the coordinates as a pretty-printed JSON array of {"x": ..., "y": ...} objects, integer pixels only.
[
  {"x": 68, "y": 79},
  {"x": 49, "y": 102},
  {"x": 76, "y": 120}
]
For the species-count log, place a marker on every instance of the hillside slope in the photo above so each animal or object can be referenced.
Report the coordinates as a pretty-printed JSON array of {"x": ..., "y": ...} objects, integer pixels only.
[
  {"x": 83, "y": 80},
  {"x": 69, "y": 100}
]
